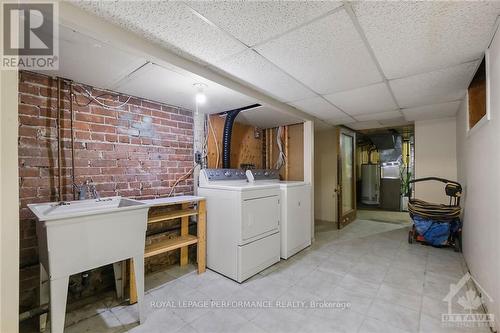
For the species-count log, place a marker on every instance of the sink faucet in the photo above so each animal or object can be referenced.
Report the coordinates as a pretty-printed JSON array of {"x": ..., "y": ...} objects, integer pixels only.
[
  {"x": 87, "y": 187},
  {"x": 93, "y": 191}
]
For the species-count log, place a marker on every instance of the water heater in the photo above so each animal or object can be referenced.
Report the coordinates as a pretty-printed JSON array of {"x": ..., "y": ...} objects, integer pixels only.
[{"x": 370, "y": 184}]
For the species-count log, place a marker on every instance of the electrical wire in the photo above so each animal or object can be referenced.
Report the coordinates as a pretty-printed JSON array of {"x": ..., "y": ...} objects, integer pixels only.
[
  {"x": 183, "y": 177},
  {"x": 215, "y": 140},
  {"x": 281, "y": 155},
  {"x": 103, "y": 104}
]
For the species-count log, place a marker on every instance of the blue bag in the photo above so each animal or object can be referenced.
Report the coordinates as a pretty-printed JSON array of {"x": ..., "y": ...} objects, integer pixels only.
[{"x": 435, "y": 232}]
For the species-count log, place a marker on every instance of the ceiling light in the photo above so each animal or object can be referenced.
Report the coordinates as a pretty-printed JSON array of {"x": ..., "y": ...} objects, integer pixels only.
[{"x": 200, "y": 97}]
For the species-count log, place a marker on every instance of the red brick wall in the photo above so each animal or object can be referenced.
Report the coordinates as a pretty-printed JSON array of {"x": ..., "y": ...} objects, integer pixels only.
[{"x": 137, "y": 151}]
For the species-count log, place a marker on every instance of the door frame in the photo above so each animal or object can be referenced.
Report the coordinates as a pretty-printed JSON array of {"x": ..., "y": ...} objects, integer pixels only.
[{"x": 350, "y": 216}]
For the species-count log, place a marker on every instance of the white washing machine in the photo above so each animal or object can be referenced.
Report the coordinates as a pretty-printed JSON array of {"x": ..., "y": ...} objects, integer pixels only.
[
  {"x": 295, "y": 210},
  {"x": 243, "y": 223}
]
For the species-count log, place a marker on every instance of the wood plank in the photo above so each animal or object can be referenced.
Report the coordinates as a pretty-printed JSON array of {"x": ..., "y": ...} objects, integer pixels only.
[
  {"x": 131, "y": 286},
  {"x": 245, "y": 147},
  {"x": 295, "y": 158},
  {"x": 173, "y": 215},
  {"x": 201, "y": 233},
  {"x": 184, "y": 232},
  {"x": 477, "y": 95},
  {"x": 169, "y": 245}
]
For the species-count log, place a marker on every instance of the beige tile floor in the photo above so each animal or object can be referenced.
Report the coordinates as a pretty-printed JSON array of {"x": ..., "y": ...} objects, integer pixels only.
[{"x": 391, "y": 286}]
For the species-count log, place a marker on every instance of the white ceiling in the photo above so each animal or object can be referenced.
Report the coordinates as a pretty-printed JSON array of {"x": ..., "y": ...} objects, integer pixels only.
[
  {"x": 266, "y": 117},
  {"x": 264, "y": 75},
  {"x": 421, "y": 36},
  {"x": 110, "y": 68},
  {"x": 327, "y": 55},
  {"x": 434, "y": 111},
  {"x": 90, "y": 61},
  {"x": 375, "y": 98},
  {"x": 356, "y": 63},
  {"x": 176, "y": 87}
]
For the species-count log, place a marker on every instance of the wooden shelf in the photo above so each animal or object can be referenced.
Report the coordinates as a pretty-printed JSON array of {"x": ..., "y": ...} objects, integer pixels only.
[
  {"x": 181, "y": 242},
  {"x": 169, "y": 245},
  {"x": 172, "y": 215}
]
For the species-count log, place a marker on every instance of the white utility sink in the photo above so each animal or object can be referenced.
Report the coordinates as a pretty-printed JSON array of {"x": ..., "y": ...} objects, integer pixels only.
[
  {"x": 66, "y": 209},
  {"x": 77, "y": 236}
]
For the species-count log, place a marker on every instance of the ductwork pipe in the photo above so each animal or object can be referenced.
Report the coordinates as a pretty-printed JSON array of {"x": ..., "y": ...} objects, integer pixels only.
[
  {"x": 226, "y": 135},
  {"x": 226, "y": 138}
]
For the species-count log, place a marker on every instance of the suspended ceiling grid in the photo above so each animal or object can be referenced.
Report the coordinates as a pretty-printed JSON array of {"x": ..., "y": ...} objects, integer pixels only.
[{"x": 366, "y": 64}]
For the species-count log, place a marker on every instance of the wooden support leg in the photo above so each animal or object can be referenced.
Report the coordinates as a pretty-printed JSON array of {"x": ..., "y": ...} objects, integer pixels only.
[
  {"x": 118, "y": 268},
  {"x": 131, "y": 286},
  {"x": 58, "y": 294},
  {"x": 44, "y": 296},
  {"x": 184, "y": 232},
  {"x": 201, "y": 246},
  {"x": 138, "y": 263}
]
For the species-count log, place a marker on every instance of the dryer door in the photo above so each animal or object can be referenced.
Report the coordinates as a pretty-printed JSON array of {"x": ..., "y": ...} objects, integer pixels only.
[{"x": 260, "y": 216}]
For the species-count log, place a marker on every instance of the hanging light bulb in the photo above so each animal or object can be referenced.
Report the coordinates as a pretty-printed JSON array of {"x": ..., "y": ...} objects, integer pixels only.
[{"x": 200, "y": 97}]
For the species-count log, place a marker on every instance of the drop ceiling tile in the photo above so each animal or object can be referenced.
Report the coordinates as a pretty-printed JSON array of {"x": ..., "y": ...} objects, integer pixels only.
[
  {"x": 327, "y": 55},
  {"x": 251, "y": 67},
  {"x": 339, "y": 120},
  {"x": 90, "y": 61},
  {"x": 362, "y": 125},
  {"x": 401, "y": 121},
  {"x": 266, "y": 117},
  {"x": 175, "y": 87},
  {"x": 433, "y": 87},
  {"x": 378, "y": 116},
  {"x": 255, "y": 21},
  {"x": 370, "y": 99},
  {"x": 169, "y": 23},
  {"x": 320, "y": 125},
  {"x": 410, "y": 37},
  {"x": 435, "y": 111},
  {"x": 318, "y": 107}
]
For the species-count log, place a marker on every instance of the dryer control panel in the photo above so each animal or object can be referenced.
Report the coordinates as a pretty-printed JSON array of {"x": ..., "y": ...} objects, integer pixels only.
[
  {"x": 225, "y": 174},
  {"x": 263, "y": 174}
]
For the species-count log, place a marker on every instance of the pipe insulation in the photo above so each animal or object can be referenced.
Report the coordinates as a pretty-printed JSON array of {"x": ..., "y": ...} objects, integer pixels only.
[{"x": 226, "y": 138}]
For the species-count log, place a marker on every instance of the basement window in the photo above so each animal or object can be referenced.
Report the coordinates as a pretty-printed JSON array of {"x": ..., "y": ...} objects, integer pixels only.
[{"x": 477, "y": 96}]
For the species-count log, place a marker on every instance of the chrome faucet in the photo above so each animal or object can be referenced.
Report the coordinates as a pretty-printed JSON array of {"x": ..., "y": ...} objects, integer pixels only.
[
  {"x": 93, "y": 191},
  {"x": 87, "y": 188}
]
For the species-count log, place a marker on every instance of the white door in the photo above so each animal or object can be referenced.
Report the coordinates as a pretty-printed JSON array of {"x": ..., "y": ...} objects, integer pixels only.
[
  {"x": 260, "y": 216},
  {"x": 298, "y": 222}
]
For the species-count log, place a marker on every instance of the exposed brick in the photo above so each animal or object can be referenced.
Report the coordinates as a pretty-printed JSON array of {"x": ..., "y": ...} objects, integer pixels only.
[{"x": 120, "y": 150}]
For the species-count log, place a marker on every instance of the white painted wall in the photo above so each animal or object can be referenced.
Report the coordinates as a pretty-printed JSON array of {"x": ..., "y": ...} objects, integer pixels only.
[
  {"x": 309, "y": 164},
  {"x": 9, "y": 203},
  {"x": 435, "y": 156},
  {"x": 479, "y": 172},
  {"x": 325, "y": 175}
]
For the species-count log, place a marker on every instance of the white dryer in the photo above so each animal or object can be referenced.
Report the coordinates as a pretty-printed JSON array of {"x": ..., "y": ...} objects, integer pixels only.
[
  {"x": 295, "y": 210},
  {"x": 243, "y": 223}
]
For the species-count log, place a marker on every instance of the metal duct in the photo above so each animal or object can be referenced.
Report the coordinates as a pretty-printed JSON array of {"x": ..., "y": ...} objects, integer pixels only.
[
  {"x": 383, "y": 141},
  {"x": 226, "y": 134}
]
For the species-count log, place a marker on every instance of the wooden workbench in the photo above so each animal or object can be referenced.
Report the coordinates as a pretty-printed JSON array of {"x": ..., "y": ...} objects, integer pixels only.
[{"x": 190, "y": 206}]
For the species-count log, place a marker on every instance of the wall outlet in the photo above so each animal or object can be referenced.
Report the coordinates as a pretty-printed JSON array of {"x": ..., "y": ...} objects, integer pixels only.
[{"x": 197, "y": 157}]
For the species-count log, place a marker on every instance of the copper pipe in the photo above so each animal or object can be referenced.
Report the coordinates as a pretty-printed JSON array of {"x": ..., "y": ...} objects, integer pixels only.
[
  {"x": 72, "y": 137},
  {"x": 59, "y": 150}
]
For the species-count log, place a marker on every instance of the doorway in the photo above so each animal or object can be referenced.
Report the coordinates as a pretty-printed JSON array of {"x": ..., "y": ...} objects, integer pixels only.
[
  {"x": 384, "y": 165},
  {"x": 346, "y": 178}
]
